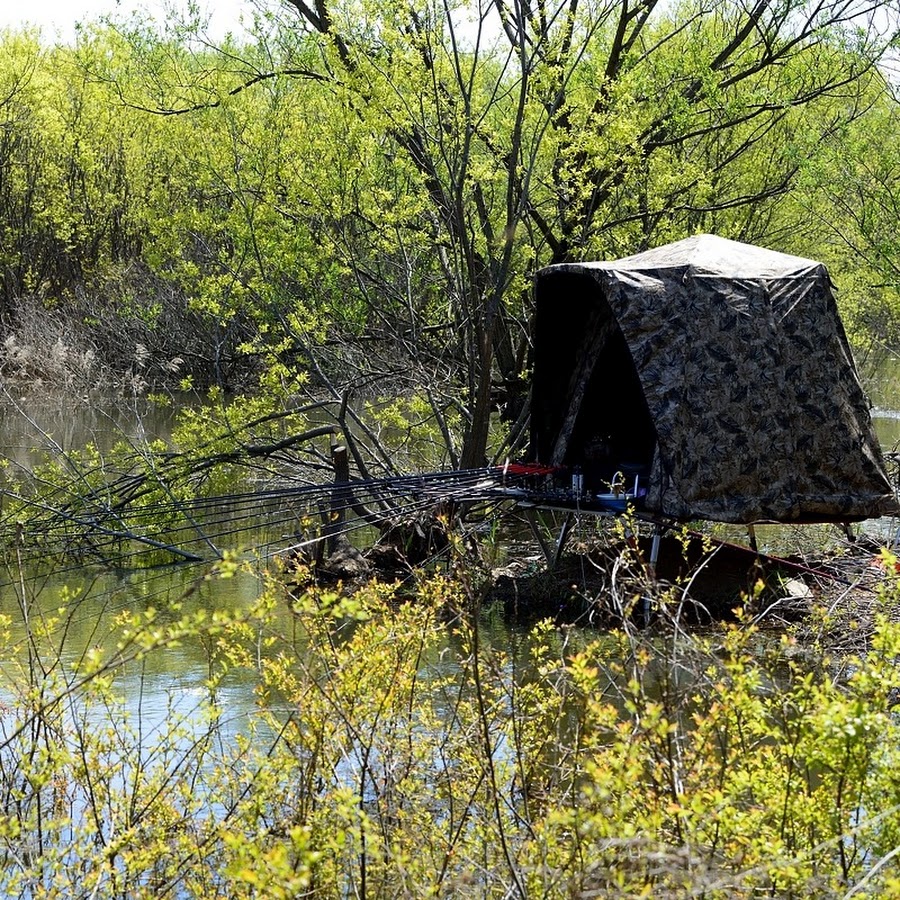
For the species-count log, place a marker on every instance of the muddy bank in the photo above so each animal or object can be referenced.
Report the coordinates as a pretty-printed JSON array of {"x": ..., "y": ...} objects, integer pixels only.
[{"x": 698, "y": 581}]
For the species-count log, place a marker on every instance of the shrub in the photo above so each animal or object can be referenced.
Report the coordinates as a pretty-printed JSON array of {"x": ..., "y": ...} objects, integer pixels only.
[{"x": 398, "y": 751}]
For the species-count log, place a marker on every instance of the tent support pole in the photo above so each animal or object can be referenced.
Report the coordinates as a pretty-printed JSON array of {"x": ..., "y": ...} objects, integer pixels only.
[
  {"x": 546, "y": 549},
  {"x": 751, "y": 536},
  {"x": 552, "y": 553},
  {"x": 651, "y": 568},
  {"x": 567, "y": 524},
  {"x": 654, "y": 549}
]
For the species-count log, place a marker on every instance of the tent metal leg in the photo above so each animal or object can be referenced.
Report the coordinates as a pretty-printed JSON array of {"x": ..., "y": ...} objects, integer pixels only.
[
  {"x": 654, "y": 548},
  {"x": 546, "y": 549},
  {"x": 552, "y": 552},
  {"x": 751, "y": 536},
  {"x": 651, "y": 569},
  {"x": 567, "y": 524}
]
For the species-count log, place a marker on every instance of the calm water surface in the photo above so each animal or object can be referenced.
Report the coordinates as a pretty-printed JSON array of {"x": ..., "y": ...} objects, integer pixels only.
[{"x": 175, "y": 682}]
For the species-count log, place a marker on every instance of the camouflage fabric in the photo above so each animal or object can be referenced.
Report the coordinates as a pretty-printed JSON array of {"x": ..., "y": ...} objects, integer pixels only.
[{"x": 747, "y": 376}]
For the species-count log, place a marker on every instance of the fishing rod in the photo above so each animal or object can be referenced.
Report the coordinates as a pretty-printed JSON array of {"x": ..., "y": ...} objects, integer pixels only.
[
  {"x": 435, "y": 487},
  {"x": 430, "y": 489},
  {"x": 428, "y": 484},
  {"x": 163, "y": 576}
]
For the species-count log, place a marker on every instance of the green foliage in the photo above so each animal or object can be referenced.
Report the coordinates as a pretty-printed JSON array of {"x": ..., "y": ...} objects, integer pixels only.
[
  {"x": 416, "y": 433},
  {"x": 377, "y": 188},
  {"x": 848, "y": 204},
  {"x": 394, "y": 754}
]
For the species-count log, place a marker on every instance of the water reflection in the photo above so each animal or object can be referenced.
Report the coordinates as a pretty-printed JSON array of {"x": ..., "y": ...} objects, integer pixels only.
[
  {"x": 34, "y": 423},
  {"x": 175, "y": 682},
  {"x": 79, "y": 615},
  {"x": 881, "y": 381}
]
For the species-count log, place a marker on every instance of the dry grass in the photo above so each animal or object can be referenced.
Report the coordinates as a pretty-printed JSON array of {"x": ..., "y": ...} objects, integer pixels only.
[{"x": 46, "y": 348}]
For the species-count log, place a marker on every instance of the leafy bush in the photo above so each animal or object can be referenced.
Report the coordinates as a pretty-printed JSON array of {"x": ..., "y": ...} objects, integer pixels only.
[{"x": 398, "y": 752}]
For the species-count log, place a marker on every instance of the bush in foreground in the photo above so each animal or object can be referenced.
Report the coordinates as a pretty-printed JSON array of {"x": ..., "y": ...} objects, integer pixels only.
[{"x": 396, "y": 752}]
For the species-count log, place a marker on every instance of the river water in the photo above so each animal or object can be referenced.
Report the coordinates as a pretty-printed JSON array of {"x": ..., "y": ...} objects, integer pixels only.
[
  {"x": 175, "y": 682},
  {"x": 163, "y": 687}
]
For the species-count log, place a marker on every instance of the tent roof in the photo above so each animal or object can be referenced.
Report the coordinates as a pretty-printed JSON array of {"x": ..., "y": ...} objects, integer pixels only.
[
  {"x": 715, "y": 256},
  {"x": 730, "y": 365}
]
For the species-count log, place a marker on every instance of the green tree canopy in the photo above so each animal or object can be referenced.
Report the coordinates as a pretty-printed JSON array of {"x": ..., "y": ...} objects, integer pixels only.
[{"x": 363, "y": 190}]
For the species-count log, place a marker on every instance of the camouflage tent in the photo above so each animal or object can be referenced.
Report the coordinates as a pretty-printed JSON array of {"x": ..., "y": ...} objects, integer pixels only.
[{"x": 717, "y": 372}]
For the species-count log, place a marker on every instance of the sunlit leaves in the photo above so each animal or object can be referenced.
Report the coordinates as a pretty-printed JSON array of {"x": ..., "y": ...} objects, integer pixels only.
[
  {"x": 392, "y": 753},
  {"x": 400, "y": 173}
]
